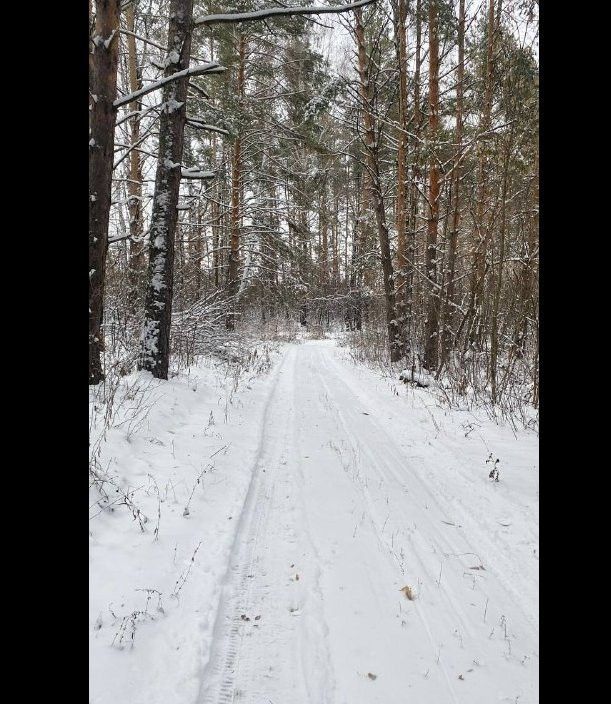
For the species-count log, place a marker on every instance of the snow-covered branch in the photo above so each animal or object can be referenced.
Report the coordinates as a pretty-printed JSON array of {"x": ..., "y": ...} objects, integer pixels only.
[
  {"x": 212, "y": 67},
  {"x": 277, "y": 12},
  {"x": 196, "y": 122},
  {"x": 196, "y": 173}
]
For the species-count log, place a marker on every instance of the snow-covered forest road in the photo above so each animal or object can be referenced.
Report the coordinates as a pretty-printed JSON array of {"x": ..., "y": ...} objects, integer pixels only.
[
  {"x": 340, "y": 515},
  {"x": 354, "y": 487}
]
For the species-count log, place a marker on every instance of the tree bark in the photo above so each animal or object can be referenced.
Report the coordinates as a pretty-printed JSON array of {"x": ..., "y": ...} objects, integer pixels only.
[
  {"x": 134, "y": 183},
  {"x": 449, "y": 300},
  {"x": 215, "y": 217},
  {"x": 401, "y": 204},
  {"x": 324, "y": 244},
  {"x": 482, "y": 233},
  {"x": 155, "y": 345},
  {"x": 494, "y": 335},
  {"x": 236, "y": 190},
  {"x": 335, "y": 244},
  {"x": 415, "y": 177},
  {"x": 431, "y": 344},
  {"x": 103, "y": 64}
]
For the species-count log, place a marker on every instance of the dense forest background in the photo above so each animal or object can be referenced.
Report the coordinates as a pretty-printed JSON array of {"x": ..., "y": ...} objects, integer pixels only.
[{"x": 373, "y": 172}]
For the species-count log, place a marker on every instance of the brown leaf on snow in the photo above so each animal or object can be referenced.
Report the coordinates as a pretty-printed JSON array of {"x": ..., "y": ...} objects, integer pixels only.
[{"x": 409, "y": 592}]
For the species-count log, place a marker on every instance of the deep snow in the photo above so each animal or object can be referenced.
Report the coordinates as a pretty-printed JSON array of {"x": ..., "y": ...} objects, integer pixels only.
[{"x": 324, "y": 490}]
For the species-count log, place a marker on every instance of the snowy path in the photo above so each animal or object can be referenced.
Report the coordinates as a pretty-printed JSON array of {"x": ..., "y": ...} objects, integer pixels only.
[{"x": 351, "y": 499}]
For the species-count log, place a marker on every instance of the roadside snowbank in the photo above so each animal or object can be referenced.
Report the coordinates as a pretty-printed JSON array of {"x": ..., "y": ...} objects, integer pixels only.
[{"x": 177, "y": 463}]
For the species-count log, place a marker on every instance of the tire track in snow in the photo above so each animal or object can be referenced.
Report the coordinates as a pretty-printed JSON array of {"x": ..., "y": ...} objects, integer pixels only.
[
  {"x": 315, "y": 656},
  {"x": 385, "y": 472},
  {"x": 305, "y": 646},
  {"x": 260, "y": 662},
  {"x": 371, "y": 441},
  {"x": 228, "y": 632},
  {"x": 496, "y": 557},
  {"x": 390, "y": 476}
]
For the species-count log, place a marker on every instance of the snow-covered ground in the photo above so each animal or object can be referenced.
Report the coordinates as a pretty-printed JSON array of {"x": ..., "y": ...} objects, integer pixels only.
[{"x": 314, "y": 493}]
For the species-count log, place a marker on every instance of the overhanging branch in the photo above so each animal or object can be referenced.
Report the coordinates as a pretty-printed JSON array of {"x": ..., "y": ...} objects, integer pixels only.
[
  {"x": 278, "y": 12},
  {"x": 195, "y": 173}
]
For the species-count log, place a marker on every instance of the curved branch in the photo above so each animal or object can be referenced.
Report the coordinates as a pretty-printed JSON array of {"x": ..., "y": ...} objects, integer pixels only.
[
  {"x": 212, "y": 67},
  {"x": 277, "y": 12}
]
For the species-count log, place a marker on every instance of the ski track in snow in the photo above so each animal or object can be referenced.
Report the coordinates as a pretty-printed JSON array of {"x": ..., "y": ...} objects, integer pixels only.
[{"x": 338, "y": 517}]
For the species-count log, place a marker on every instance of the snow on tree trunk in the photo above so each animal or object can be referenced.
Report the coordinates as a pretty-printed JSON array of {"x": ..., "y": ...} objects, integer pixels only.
[
  {"x": 236, "y": 193},
  {"x": 431, "y": 336},
  {"x": 134, "y": 183},
  {"x": 400, "y": 14},
  {"x": 155, "y": 341},
  {"x": 449, "y": 300}
]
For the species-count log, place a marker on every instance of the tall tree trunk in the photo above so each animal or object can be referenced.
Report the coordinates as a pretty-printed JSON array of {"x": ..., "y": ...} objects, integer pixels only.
[
  {"x": 134, "y": 183},
  {"x": 324, "y": 244},
  {"x": 103, "y": 64},
  {"x": 528, "y": 286},
  {"x": 215, "y": 211},
  {"x": 269, "y": 240},
  {"x": 354, "y": 316},
  {"x": 236, "y": 191},
  {"x": 303, "y": 235},
  {"x": 190, "y": 239},
  {"x": 366, "y": 235},
  {"x": 155, "y": 346},
  {"x": 449, "y": 299},
  {"x": 494, "y": 339},
  {"x": 415, "y": 177},
  {"x": 196, "y": 250},
  {"x": 215, "y": 217},
  {"x": 375, "y": 189},
  {"x": 482, "y": 232},
  {"x": 401, "y": 205},
  {"x": 431, "y": 342},
  {"x": 335, "y": 244}
]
